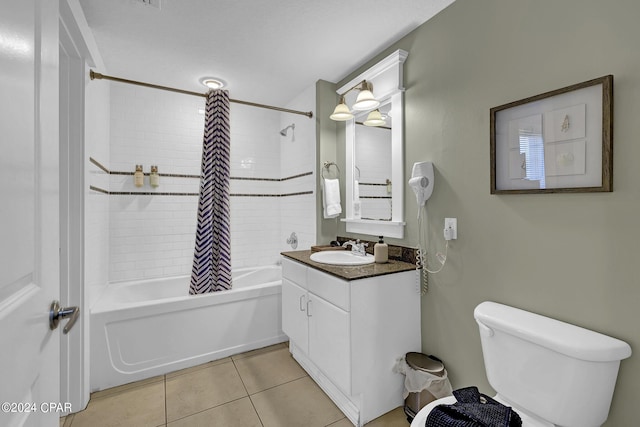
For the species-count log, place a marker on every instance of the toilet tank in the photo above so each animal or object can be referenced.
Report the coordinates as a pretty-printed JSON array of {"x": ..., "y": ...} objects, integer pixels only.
[{"x": 559, "y": 372}]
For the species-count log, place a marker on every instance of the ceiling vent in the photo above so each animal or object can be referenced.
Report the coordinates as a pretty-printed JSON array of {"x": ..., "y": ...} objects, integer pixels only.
[{"x": 152, "y": 3}]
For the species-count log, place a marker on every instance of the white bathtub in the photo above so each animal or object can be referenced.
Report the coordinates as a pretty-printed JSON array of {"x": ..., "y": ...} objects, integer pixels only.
[{"x": 147, "y": 328}]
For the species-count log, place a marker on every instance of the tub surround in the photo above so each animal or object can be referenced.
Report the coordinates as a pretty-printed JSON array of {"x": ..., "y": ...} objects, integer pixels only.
[
  {"x": 351, "y": 272},
  {"x": 151, "y": 230}
]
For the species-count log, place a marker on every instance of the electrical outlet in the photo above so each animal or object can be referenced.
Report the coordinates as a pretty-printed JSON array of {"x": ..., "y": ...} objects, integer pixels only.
[{"x": 450, "y": 228}]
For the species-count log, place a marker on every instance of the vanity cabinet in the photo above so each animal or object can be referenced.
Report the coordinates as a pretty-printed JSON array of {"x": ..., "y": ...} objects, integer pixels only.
[{"x": 348, "y": 334}]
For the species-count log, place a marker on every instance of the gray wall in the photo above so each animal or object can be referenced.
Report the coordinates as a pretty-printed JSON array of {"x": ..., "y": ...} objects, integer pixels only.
[
  {"x": 573, "y": 257},
  {"x": 327, "y": 150}
]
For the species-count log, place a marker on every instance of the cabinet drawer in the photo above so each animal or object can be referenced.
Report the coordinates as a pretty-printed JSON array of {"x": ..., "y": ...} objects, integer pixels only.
[
  {"x": 332, "y": 289},
  {"x": 295, "y": 272}
]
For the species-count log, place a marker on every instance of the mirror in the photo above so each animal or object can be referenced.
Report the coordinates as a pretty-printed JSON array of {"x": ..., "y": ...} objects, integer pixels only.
[
  {"x": 375, "y": 155},
  {"x": 372, "y": 164}
]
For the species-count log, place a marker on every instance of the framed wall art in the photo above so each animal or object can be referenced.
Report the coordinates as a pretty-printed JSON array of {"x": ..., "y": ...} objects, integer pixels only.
[{"x": 556, "y": 142}]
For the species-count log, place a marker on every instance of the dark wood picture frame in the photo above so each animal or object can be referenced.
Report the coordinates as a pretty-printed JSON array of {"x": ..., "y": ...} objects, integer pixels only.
[{"x": 505, "y": 178}]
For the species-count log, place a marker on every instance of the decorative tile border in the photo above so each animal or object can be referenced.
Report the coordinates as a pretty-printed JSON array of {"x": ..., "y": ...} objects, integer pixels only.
[
  {"x": 98, "y": 189},
  {"x": 170, "y": 175},
  {"x": 296, "y": 176},
  {"x": 98, "y": 164},
  {"x": 373, "y": 184},
  {"x": 300, "y": 193},
  {"x": 175, "y": 175},
  {"x": 138, "y": 193},
  {"x": 159, "y": 193}
]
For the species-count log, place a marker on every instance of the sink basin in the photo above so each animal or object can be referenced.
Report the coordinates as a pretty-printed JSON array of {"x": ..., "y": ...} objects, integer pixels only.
[{"x": 341, "y": 258}]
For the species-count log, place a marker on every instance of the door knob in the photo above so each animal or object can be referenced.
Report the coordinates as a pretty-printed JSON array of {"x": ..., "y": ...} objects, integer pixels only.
[{"x": 56, "y": 313}]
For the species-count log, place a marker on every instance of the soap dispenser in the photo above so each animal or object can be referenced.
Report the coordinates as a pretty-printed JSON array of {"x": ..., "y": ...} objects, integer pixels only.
[{"x": 381, "y": 251}]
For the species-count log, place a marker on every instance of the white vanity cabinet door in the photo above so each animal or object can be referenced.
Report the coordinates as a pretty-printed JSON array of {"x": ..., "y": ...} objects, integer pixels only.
[
  {"x": 329, "y": 341},
  {"x": 294, "y": 314}
]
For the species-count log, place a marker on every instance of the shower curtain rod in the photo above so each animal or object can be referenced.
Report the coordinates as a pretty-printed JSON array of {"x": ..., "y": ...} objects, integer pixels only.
[{"x": 93, "y": 75}]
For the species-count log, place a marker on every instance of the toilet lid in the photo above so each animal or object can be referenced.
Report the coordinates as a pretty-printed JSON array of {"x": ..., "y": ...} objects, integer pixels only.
[{"x": 421, "y": 417}]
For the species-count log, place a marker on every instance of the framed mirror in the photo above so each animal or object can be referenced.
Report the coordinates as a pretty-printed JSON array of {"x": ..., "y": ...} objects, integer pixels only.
[{"x": 374, "y": 156}]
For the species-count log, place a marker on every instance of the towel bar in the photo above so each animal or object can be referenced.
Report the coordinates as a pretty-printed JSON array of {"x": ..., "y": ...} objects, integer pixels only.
[{"x": 327, "y": 165}]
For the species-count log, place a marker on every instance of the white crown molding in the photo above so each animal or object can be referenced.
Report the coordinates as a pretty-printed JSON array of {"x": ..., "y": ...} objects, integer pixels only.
[{"x": 396, "y": 59}]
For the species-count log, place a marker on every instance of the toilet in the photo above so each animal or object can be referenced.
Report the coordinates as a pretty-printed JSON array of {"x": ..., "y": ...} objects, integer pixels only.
[{"x": 550, "y": 372}]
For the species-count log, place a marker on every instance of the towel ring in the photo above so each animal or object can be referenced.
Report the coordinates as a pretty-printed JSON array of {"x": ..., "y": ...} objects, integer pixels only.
[{"x": 327, "y": 165}]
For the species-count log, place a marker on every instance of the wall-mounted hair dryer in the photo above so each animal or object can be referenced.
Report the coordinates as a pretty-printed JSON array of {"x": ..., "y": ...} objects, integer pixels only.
[{"x": 422, "y": 181}]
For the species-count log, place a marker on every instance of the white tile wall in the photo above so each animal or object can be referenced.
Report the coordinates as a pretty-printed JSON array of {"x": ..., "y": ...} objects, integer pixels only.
[
  {"x": 153, "y": 236},
  {"x": 298, "y": 212},
  {"x": 149, "y": 126},
  {"x": 255, "y": 150}
]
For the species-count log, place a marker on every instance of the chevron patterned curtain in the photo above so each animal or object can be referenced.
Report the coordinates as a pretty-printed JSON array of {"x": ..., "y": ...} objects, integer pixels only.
[{"x": 211, "y": 270}]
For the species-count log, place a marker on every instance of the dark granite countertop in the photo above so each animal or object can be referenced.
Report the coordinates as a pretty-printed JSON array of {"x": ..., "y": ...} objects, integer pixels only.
[{"x": 351, "y": 272}]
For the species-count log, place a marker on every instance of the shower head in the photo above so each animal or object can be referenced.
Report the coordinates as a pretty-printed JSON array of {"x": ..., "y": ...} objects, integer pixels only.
[{"x": 284, "y": 131}]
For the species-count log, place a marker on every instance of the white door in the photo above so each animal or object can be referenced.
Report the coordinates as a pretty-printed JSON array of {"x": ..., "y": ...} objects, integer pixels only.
[{"x": 29, "y": 222}]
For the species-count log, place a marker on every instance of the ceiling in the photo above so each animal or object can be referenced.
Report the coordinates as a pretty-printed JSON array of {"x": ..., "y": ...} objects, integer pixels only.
[{"x": 268, "y": 51}]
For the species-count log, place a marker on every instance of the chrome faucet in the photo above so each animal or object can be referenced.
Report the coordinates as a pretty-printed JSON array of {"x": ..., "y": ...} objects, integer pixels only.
[{"x": 356, "y": 247}]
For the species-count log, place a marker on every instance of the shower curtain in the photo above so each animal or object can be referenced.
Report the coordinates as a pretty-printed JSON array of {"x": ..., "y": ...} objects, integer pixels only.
[{"x": 211, "y": 270}]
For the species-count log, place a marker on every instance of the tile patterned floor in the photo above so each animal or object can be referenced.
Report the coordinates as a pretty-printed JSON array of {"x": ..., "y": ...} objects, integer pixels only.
[{"x": 260, "y": 388}]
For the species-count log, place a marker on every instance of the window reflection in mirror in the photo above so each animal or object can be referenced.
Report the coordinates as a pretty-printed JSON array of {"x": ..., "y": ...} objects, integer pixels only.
[{"x": 372, "y": 161}]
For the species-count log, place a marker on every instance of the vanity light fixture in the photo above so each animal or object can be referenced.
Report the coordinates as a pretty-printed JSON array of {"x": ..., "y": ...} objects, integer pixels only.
[
  {"x": 341, "y": 112},
  {"x": 364, "y": 101},
  {"x": 375, "y": 119},
  {"x": 213, "y": 82}
]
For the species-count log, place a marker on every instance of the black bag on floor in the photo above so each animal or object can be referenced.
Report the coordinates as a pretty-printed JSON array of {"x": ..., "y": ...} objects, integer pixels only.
[{"x": 473, "y": 409}]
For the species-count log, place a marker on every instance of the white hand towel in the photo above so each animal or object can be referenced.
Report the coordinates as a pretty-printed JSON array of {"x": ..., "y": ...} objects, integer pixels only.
[{"x": 331, "y": 198}]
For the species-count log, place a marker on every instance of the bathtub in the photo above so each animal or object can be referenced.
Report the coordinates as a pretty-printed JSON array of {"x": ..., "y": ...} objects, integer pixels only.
[{"x": 151, "y": 327}]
